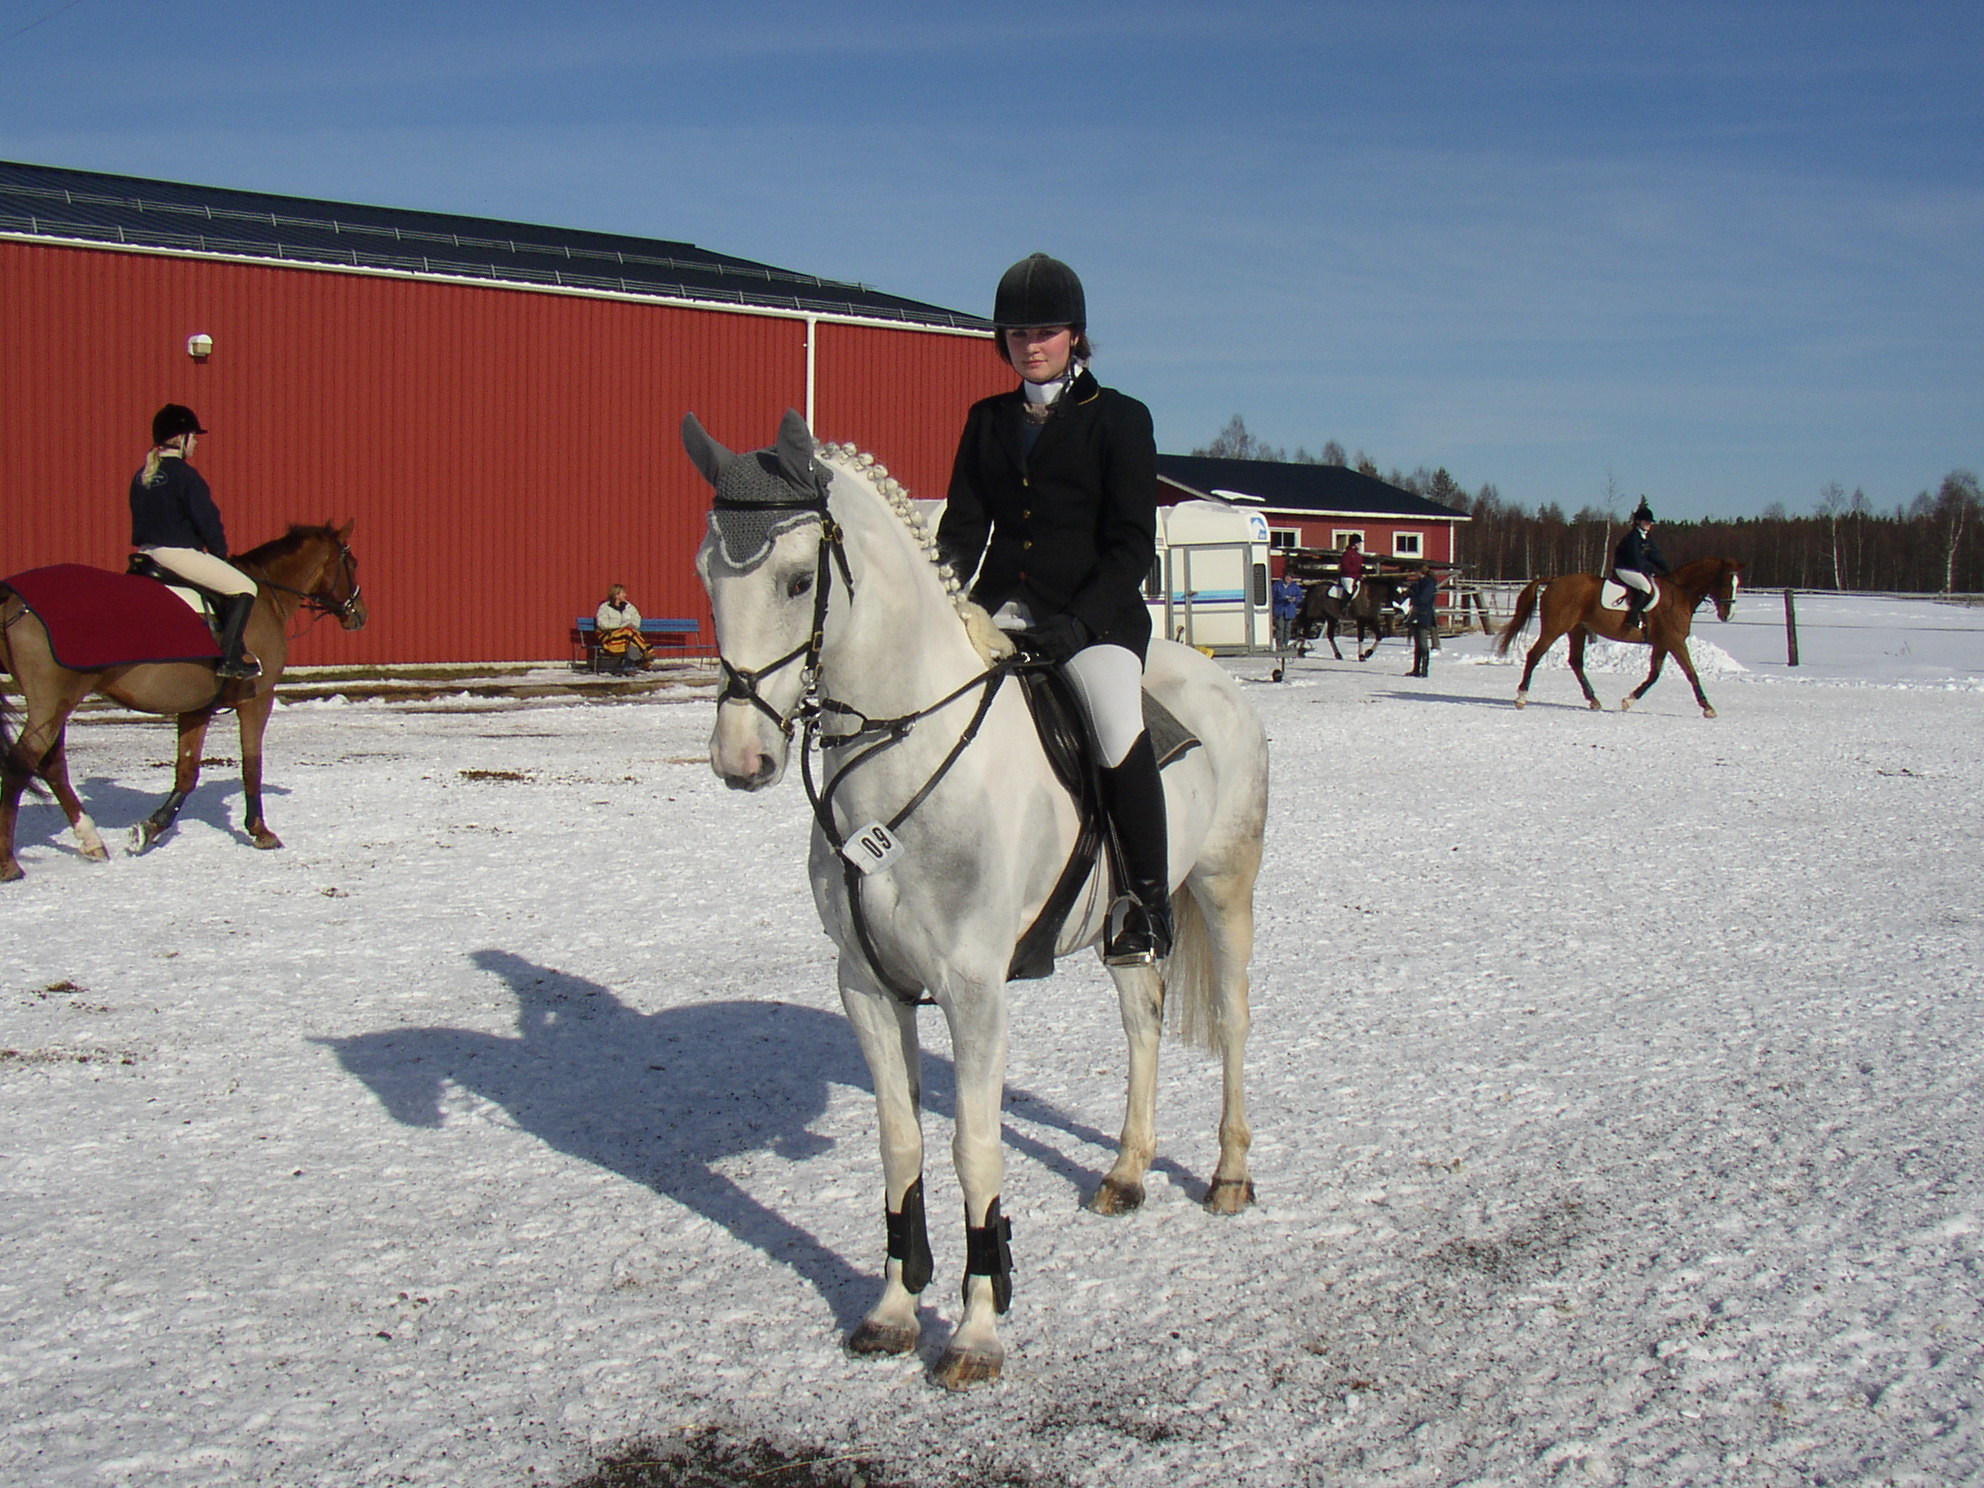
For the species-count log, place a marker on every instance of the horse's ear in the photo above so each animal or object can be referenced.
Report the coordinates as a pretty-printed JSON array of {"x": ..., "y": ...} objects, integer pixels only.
[
  {"x": 344, "y": 532},
  {"x": 795, "y": 449},
  {"x": 710, "y": 457}
]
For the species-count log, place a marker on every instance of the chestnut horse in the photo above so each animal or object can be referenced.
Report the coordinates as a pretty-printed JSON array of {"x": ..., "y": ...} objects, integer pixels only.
[
  {"x": 309, "y": 567},
  {"x": 1571, "y": 603}
]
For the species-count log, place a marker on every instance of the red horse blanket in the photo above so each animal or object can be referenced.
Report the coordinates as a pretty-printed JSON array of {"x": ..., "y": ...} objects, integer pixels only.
[{"x": 97, "y": 619}]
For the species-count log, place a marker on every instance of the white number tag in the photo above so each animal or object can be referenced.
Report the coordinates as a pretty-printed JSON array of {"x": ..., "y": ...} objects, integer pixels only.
[{"x": 872, "y": 849}]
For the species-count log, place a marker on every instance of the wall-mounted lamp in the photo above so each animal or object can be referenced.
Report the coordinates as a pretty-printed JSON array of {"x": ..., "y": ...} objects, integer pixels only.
[{"x": 200, "y": 347}]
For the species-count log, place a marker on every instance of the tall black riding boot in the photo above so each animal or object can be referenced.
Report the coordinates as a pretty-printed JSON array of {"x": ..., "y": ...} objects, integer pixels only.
[
  {"x": 235, "y": 662},
  {"x": 1140, "y": 927}
]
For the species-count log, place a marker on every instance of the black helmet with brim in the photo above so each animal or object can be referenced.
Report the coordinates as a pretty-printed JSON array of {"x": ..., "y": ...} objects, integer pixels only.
[
  {"x": 173, "y": 420},
  {"x": 1039, "y": 291}
]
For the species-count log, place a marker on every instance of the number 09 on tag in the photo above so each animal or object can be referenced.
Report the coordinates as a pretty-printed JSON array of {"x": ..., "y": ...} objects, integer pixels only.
[{"x": 872, "y": 848}]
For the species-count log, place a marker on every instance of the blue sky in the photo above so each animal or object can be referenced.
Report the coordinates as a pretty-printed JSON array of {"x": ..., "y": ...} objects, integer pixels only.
[{"x": 1721, "y": 254}]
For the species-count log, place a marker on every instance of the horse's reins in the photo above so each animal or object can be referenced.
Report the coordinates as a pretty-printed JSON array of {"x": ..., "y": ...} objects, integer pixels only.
[
  {"x": 741, "y": 685},
  {"x": 317, "y": 602}
]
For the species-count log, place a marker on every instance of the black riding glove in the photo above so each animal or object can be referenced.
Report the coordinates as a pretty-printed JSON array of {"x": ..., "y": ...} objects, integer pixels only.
[{"x": 1056, "y": 639}]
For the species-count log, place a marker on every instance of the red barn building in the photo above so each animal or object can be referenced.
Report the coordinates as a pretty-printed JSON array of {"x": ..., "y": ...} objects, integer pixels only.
[
  {"x": 1319, "y": 506},
  {"x": 497, "y": 404}
]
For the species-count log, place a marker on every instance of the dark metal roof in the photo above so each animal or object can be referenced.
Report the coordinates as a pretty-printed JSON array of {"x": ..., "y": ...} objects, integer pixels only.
[
  {"x": 1332, "y": 489},
  {"x": 46, "y": 201}
]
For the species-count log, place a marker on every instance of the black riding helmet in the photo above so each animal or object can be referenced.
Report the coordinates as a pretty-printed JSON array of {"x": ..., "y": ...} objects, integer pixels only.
[
  {"x": 1040, "y": 291},
  {"x": 1642, "y": 512},
  {"x": 173, "y": 420}
]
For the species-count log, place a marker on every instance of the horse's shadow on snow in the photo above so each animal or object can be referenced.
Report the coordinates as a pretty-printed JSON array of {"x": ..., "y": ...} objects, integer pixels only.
[
  {"x": 114, "y": 807},
  {"x": 664, "y": 1097}
]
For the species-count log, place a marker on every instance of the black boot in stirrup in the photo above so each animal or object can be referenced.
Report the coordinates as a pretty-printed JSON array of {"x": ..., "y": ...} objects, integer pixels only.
[
  {"x": 235, "y": 662},
  {"x": 1140, "y": 926}
]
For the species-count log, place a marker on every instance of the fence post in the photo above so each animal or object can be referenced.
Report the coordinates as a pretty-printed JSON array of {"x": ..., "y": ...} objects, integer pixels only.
[{"x": 1790, "y": 630}]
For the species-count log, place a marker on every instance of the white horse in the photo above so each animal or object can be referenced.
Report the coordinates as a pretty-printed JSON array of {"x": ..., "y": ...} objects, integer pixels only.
[{"x": 830, "y": 600}]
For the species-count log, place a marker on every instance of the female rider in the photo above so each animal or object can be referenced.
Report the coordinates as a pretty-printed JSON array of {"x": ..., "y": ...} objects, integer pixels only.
[
  {"x": 175, "y": 523},
  {"x": 1055, "y": 489}
]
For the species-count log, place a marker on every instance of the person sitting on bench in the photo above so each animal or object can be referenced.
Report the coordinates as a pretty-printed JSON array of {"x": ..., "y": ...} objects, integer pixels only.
[{"x": 620, "y": 632}]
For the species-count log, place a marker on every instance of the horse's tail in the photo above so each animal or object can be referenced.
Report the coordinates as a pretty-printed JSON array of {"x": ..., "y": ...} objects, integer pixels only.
[
  {"x": 1525, "y": 607},
  {"x": 1191, "y": 990}
]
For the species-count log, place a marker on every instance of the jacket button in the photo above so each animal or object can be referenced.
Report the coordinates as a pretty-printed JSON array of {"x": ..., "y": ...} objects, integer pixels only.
[
  {"x": 1027, "y": 544},
  {"x": 1028, "y": 513}
]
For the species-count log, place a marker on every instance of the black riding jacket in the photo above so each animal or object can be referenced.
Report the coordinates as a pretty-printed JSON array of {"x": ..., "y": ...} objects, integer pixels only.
[
  {"x": 1637, "y": 552},
  {"x": 178, "y": 512},
  {"x": 1070, "y": 528}
]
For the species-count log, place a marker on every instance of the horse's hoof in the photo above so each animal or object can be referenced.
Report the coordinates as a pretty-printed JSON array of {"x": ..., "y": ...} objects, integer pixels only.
[
  {"x": 10, "y": 872},
  {"x": 1229, "y": 1195},
  {"x": 97, "y": 854},
  {"x": 1625, "y": 705},
  {"x": 1521, "y": 701},
  {"x": 1114, "y": 1197},
  {"x": 960, "y": 1369},
  {"x": 881, "y": 1338},
  {"x": 266, "y": 840},
  {"x": 144, "y": 837},
  {"x": 1598, "y": 707},
  {"x": 1708, "y": 712}
]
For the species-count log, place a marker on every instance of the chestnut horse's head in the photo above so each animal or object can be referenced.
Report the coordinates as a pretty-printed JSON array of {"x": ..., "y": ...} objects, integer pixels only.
[{"x": 1723, "y": 591}]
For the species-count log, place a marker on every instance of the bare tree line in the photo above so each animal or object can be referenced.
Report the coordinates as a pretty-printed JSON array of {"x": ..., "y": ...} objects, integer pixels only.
[{"x": 1933, "y": 544}]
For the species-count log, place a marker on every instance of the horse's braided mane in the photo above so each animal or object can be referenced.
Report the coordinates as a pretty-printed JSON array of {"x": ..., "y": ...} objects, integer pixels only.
[
  {"x": 891, "y": 490},
  {"x": 281, "y": 547}
]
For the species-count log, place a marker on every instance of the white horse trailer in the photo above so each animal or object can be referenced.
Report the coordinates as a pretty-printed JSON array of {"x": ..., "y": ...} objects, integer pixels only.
[{"x": 1209, "y": 585}]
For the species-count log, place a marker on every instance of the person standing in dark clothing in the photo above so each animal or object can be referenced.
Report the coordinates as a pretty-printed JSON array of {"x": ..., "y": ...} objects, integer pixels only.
[
  {"x": 1635, "y": 562},
  {"x": 175, "y": 523},
  {"x": 1422, "y": 618},
  {"x": 1053, "y": 506}
]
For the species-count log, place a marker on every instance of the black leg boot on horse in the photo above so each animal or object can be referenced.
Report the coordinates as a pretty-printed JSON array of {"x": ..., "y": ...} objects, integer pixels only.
[
  {"x": 1140, "y": 925},
  {"x": 235, "y": 662}
]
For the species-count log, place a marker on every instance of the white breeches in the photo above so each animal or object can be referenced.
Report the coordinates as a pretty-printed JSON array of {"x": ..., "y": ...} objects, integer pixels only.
[
  {"x": 1110, "y": 682},
  {"x": 203, "y": 569},
  {"x": 1632, "y": 578}
]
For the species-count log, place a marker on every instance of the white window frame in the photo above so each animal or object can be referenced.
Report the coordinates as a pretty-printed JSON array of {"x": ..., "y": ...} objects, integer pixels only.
[
  {"x": 1340, "y": 536},
  {"x": 1281, "y": 539},
  {"x": 1417, "y": 548}
]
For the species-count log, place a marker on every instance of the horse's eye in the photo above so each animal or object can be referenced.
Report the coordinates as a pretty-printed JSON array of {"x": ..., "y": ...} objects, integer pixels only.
[{"x": 797, "y": 585}]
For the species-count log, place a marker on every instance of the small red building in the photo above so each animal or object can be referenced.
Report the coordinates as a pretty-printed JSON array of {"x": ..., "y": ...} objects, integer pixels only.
[
  {"x": 1318, "y": 506},
  {"x": 497, "y": 404}
]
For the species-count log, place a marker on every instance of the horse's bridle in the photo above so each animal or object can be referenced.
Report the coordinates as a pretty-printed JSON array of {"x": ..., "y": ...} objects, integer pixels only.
[
  {"x": 740, "y": 684},
  {"x": 317, "y": 602}
]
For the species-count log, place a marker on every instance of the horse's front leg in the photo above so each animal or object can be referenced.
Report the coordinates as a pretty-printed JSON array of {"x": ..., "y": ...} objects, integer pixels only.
[
  {"x": 886, "y": 1029},
  {"x": 1579, "y": 640},
  {"x": 1140, "y": 995},
  {"x": 977, "y": 1015},
  {"x": 185, "y": 775},
  {"x": 254, "y": 716},
  {"x": 56, "y": 772},
  {"x": 1329, "y": 632},
  {"x": 1653, "y": 676}
]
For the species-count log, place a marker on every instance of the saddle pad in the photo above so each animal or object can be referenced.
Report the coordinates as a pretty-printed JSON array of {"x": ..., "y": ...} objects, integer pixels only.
[
  {"x": 1613, "y": 596},
  {"x": 1169, "y": 739},
  {"x": 97, "y": 619}
]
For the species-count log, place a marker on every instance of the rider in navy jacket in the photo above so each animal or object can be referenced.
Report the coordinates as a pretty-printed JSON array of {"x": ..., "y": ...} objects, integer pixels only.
[
  {"x": 1636, "y": 561},
  {"x": 1053, "y": 505},
  {"x": 177, "y": 511}
]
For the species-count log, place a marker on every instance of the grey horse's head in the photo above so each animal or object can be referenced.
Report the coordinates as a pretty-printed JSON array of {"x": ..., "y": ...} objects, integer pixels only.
[{"x": 760, "y": 564}]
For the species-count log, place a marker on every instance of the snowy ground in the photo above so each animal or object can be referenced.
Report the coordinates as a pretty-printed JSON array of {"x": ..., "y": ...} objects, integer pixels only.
[{"x": 1615, "y": 1080}]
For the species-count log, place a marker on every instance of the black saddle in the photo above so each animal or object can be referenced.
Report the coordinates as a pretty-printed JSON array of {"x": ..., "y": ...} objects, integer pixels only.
[
  {"x": 144, "y": 566},
  {"x": 1064, "y": 736}
]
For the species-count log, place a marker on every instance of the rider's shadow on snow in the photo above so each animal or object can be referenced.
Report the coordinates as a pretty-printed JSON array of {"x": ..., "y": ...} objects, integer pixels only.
[{"x": 662, "y": 1097}]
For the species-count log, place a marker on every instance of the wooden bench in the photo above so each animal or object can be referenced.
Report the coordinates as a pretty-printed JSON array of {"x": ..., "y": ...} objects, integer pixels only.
[{"x": 672, "y": 635}]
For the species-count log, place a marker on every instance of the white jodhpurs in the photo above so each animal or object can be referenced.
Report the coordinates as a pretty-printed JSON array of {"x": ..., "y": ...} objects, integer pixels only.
[
  {"x": 196, "y": 567},
  {"x": 1110, "y": 682},
  {"x": 1632, "y": 578}
]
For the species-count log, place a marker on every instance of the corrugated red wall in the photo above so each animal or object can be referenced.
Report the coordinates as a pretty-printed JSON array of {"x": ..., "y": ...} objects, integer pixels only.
[{"x": 506, "y": 453}]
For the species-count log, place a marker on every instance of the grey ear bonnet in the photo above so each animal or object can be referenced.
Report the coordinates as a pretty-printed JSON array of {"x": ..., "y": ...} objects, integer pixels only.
[{"x": 759, "y": 495}]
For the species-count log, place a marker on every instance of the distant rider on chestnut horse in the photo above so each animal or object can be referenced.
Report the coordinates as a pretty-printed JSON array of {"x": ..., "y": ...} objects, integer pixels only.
[{"x": 1635, "y": 563}]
